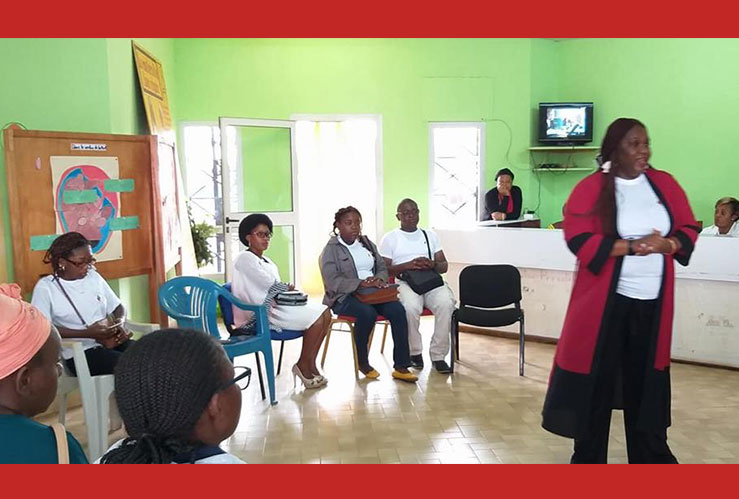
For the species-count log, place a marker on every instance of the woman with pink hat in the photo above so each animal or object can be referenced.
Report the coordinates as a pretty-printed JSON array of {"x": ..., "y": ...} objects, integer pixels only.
[{"x": 29, "y": 371}]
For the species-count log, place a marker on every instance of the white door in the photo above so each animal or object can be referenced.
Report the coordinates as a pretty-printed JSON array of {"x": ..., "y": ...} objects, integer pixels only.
[{"x": 259, "y": 176}]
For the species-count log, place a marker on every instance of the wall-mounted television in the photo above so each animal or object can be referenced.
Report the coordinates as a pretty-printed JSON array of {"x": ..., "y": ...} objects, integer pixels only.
[{"x": 565, "y": 123}]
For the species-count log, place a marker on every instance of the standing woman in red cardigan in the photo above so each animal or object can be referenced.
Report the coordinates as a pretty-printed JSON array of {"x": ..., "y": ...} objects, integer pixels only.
[{"x": 626, "y": 224}]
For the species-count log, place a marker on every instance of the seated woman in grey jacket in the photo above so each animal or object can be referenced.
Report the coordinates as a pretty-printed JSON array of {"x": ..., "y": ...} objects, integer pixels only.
[{"x": 351, "y": 261}]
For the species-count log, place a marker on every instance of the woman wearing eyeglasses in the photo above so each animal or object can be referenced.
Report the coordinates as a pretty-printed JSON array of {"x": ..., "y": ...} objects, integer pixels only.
[
  {"x": 81, "y": 304},
  {"x": 256, "y": 280}
]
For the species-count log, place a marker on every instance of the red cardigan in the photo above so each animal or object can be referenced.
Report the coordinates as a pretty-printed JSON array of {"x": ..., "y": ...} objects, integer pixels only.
[{"x": 596, "y": 269}]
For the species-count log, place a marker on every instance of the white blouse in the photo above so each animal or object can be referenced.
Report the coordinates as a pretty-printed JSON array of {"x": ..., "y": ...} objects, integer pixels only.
[
  {"x": 639, "y": 212},
  {"x": 364, "y": 260},
  {"x": 252, "y": 278},
  {"x": 712, "y": 230}
]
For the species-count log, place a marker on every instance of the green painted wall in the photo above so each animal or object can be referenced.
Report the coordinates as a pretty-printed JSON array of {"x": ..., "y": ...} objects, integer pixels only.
[
  {"x": 685, "y": 91},
  {"x": 83, "y": 85},
  {"x": 50, "y": 85},
  {"x": 408, "y": 82}
]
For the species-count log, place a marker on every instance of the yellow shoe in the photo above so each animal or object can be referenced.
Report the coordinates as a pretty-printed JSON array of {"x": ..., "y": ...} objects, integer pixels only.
[
  {"x": 409, "y": 376},
  {"x": 371, "y": 374}
]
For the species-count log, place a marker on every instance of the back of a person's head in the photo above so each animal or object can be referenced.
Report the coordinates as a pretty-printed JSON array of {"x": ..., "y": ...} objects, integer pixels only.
[{"x": 163, "y": 383}]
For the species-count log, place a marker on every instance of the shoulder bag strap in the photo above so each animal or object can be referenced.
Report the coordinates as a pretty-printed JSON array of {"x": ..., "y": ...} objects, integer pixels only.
[
  {"x": 62, "y": 448},
  {"x": 428, "y": 245},
  {"x": 59, "y": 282}
]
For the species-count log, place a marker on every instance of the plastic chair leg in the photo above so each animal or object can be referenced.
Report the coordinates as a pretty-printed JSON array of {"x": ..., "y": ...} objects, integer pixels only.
[
  {"x": 115, "y": 417},
  {"x": 270, "y": 370},
  {"x": 62, "y": 408},
  {"x": 102, "y": 425},
  {"x": 279, "y": 362}
]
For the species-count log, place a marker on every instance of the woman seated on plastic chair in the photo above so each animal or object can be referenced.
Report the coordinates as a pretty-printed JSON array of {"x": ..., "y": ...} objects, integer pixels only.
[
  {"x": 256, "y": 280},
  {"x": 350, "y": 261},
  {"x": 78, "y": 301},
  {"x": 29, "y": 368}
]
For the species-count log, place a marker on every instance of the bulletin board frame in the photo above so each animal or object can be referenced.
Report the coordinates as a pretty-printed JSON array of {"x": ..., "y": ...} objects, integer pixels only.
[{"x": 29, "y": 178}]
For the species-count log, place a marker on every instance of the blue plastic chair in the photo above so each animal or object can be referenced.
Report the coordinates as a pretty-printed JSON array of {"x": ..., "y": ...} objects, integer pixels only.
[
  {"x": 281, "y": 336},
  {"x": 193, "y": 302}
]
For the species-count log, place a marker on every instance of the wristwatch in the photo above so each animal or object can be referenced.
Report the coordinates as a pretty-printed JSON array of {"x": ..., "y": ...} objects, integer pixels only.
[{"x": 631, "y": 248}]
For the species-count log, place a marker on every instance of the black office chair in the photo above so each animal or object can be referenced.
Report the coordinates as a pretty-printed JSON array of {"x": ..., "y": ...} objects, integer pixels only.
[{"x": 483, "y": 288}]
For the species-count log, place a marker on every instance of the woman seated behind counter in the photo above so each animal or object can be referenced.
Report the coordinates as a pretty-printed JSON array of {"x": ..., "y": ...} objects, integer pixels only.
[
  {"x": 503, "y": 202},
  {"x": 724, "y": 219}
]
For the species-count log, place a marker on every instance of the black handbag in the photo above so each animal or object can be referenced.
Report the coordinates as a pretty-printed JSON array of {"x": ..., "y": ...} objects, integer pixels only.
[
  {"x": 422, "y": 281},
  {"x": 291, "y": 298}
]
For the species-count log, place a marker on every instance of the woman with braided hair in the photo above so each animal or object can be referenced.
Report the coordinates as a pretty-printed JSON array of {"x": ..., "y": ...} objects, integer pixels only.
[
  {"x": 350, "y": 261},
  {"x": 81, "y": 304},
  {"x": 627, "y": 224},
  {"x": 178, "y": 398}
]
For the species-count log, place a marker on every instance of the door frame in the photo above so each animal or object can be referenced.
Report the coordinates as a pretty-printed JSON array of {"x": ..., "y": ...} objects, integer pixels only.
[
  {"x": 278, "y": 218},
  {"x": 380, "y": 194}
]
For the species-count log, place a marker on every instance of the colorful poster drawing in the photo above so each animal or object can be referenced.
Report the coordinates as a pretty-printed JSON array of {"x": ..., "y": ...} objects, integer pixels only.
[{"x": 83, "y": 204}]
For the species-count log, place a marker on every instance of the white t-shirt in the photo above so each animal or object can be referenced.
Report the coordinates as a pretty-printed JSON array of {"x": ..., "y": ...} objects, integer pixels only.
[
  {"x": 712, "y": 230},
  {"x": 401, "y": 246},
  {"x": 364, "y": 261},
  {"x": 91, "y": 295},
  {"x": 639, "y": 212}
]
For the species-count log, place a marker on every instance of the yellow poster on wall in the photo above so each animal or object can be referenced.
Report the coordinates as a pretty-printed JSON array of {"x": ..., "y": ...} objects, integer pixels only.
[{"x": 154, "y": 92}]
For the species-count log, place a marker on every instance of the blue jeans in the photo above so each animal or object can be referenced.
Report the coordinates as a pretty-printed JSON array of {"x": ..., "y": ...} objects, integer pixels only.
[{"x": 366, "y": 316}]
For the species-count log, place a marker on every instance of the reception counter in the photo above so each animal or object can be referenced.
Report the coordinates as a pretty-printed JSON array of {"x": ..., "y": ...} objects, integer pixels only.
[{"x": 706, "y": 292}]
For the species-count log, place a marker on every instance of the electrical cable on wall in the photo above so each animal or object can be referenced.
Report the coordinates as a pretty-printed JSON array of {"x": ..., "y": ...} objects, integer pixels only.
[
  {"x": 8, "y": 124},
  {"x": 510, "y": 142}
]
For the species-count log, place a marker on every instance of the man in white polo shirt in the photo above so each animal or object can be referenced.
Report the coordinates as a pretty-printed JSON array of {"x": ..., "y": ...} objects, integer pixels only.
[{"x": 411, "y": 248}]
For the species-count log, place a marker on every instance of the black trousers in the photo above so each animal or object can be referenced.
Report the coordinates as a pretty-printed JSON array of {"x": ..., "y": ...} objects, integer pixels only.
[
  {"x": 101, "y": 360},
  {"x": 624, "y": 362}
]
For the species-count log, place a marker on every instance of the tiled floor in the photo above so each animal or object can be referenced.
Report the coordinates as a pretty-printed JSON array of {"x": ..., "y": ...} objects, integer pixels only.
[{"x": 484, "y": 413}]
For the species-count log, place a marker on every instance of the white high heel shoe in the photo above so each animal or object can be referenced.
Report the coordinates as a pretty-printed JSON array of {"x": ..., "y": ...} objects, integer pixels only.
[
  {"x": 307, "y": 382},
  {"x": 321, "y": 379}
]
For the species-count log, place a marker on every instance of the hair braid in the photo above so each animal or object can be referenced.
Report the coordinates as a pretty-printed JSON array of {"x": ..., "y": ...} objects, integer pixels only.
[{"x": 163, "y": 383}]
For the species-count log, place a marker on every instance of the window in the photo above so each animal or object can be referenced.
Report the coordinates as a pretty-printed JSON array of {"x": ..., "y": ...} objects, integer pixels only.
[{"x": 457, "y": 163}]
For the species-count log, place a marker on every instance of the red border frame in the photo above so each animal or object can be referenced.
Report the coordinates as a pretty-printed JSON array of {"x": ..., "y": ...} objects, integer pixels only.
[{"x": 376, "y": 18}]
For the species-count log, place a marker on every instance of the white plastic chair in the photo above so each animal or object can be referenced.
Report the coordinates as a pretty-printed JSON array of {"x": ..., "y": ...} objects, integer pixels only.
[{"x": 95, "y": 392}]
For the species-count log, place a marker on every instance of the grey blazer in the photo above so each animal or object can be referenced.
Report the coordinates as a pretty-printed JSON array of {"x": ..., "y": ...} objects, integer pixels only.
[{"x": 339, "y": 272}]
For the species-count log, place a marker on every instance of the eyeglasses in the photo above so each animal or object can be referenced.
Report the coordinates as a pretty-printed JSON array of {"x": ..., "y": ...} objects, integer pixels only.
[
  {"x": 84, "y": 263},
  {"x": 242, "y": 378},
  {"x": 406, "y": 213},
  {"x": 262, "y": 235}
]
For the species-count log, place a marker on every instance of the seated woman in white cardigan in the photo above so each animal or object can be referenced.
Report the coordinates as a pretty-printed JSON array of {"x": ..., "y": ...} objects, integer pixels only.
[{"x": 256, "y": 280}]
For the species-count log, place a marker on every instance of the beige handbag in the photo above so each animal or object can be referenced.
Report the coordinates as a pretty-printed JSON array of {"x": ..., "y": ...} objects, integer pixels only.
[{"x": 62, "y": 448}]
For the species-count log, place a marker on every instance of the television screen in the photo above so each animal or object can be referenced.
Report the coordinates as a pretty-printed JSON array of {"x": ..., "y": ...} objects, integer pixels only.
[{"x": 565, "y": 122}]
